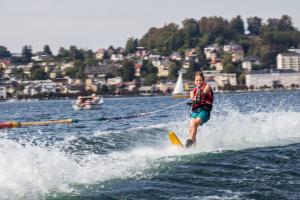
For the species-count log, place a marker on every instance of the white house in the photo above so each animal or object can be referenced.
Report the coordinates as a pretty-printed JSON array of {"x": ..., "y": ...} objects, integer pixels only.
[
  {"x": 175, "y": 56},
  {"x": 211, "y": 49},
  {"x": 117, "y": 57},
  {"x": 270, "y": 78},
  {"x": 249, "y": 61},
  {"x": 113, "y": 81},
  {"x": 220, "y": 78},
  {"x": 236, "y": 51},
  {"x": 288, "y": 61}
]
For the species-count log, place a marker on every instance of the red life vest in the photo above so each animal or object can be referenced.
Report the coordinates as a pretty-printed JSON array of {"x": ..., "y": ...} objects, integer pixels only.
[{"x": 205, "y": 101}]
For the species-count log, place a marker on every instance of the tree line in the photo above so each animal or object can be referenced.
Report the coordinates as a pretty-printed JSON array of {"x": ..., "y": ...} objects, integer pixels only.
[{"x": 264, "y": 40}]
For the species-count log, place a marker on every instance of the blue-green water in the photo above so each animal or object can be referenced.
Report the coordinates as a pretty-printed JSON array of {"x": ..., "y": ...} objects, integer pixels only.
[{"x": 250, "y": 149}]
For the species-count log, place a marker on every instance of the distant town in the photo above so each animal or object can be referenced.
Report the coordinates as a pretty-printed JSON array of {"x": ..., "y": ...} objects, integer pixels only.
[{"x": 150, "y": 66}]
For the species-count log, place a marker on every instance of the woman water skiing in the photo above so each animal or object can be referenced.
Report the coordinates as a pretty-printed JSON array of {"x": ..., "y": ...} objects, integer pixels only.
[{"x": 202, "y": 100}]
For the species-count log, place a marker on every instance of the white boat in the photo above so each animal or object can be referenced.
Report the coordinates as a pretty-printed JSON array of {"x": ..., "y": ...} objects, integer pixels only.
[
  {"x": 88, "y": 103},
  {"x": 179, "y": 91}
]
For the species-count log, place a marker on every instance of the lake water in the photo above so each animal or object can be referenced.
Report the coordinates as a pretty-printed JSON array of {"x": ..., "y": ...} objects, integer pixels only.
[{"x": 249, "y": 149}]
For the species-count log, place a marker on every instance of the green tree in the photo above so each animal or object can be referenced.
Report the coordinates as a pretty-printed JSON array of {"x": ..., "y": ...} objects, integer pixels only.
[
  {"x": 254, "y": 25},
  {"x": 26, "y": 54},
  {"x": 104, "y": 89},
  {"x": 202, "y": 62},
  {"x": 242, "y": 79},
  {"x": 63, "y": 54},
  {"x": 237, "y": 25},
  {"x": 285, "y": 23},
  {"x": 228, "y": 66},
  {"x": 4, "y": 53},
  {"x": 150, "y": 79},
  {"x": 76, "y": 54},
  {"x": 128, "y": 71},
  {"x": 213, "y": 27},
  {"x": 18, "y": 73},
  {"x": 157, "y": 38},
  {"x": 131, "y": 45},
  {"x": 193, "y": 67},
  {"x": 174, "y": 68},
  {"x": 77, "y": 71},
  {"x": 47, "y": 50},
  {"x": 191, "y": 32},
  {"x": 38, "y": 73}
]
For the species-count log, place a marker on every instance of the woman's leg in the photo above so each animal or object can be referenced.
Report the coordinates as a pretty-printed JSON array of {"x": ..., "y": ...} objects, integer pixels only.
[{"x": 194, "y": 124}]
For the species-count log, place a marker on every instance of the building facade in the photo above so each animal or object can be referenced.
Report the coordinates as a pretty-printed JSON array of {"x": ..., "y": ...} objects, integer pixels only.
[
  {"x": 273, "y": 78},
  {"x": 288, "y": 61}
]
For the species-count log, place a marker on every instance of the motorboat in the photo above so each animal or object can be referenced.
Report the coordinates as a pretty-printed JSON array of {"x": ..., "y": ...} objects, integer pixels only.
[{"x": 88, "y": 103}]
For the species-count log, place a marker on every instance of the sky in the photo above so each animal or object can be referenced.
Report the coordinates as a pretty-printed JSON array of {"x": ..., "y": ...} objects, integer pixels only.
[{"x": 94, "y": 24}]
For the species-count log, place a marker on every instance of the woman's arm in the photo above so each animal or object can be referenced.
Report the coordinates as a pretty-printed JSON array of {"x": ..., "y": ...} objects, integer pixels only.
[
  {"x": 207, "y": 89},
  {"x": 192, "y": 94}
]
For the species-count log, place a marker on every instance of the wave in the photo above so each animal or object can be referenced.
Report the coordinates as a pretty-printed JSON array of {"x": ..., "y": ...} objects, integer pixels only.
[{"x": 33, "y": 171}]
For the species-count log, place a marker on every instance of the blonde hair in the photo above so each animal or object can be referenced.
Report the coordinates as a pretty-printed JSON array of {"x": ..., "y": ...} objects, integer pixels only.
[{"x": 199, "y": 73}]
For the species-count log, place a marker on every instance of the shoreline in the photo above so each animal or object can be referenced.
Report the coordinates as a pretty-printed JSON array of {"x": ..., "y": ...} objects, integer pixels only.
[{"x": 152, "y": 95}]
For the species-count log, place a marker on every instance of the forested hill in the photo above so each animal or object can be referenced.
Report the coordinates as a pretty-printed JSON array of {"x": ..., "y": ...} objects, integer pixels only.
[{"x": 262, "y": 39}]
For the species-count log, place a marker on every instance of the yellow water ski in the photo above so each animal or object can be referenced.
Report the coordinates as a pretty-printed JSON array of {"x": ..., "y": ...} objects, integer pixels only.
[{"x": 174, "y": 139}]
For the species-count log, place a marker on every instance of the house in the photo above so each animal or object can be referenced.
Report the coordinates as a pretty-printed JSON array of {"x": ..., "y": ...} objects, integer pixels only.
[
  {"x": 249, "y": 61},
  {"x": 186, "y": 65},
  {"x": 272, "y": 78},
  {"x": 26, "y": 68},
  {"x": 221, "y": 79},
  {"x": 164, "y": 68},
  {"x": 100, "y": 54},
  {"x": 61, "y": 84},
  {"x": 48, "y": 88},
  {"x": 190, "y": 54},
  {"x": 146, "y": 89},
  {"x": 141, "y": 52},
  {"x": 90, "y": 85},
  {"x": 49, "y": 66},
  {"x": 98, "y": 71},
  {"x": 211, "y": 49},
  {"x": 137, "y": 68},
  {"x": 4, "y": 63},
  {"x": 117, "y": 57},
  {"x": 31, "y": 90},
  {"x": 213, "y": 57},
  {"x": 75, "y": 88},
  {"x": 64, "y": 66},
  {"x": 114, "y": 81},
  {"x": 39, "y": 86},
  {"x": 288, "y": 61},
  {"x": 236, "y": 51},
  {"x": 40, "y": 56},
  {"x": 128, "y": 86},
  {"x": 217, "y": 65},
  {"x": 155, "y": 60},
  {"x": 17, "y": 56},
  {"x": 175, "y": 56},
  {"x": 231, "y": 47},
  {"x": 154, "y": 57}
]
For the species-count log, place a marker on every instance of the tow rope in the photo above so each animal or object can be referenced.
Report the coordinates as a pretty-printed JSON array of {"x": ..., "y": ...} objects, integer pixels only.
[{"x": 16, "y": 124}]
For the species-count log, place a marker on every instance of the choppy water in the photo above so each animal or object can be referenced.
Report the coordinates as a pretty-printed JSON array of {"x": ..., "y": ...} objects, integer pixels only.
[{"x": 250, "y": 149}]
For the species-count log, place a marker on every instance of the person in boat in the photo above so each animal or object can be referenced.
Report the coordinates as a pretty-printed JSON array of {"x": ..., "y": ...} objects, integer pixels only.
[
  {"x": 94, "y": 98},
  {"x": 202, "y": 101},
  {"x": 80, "y": 101}
]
